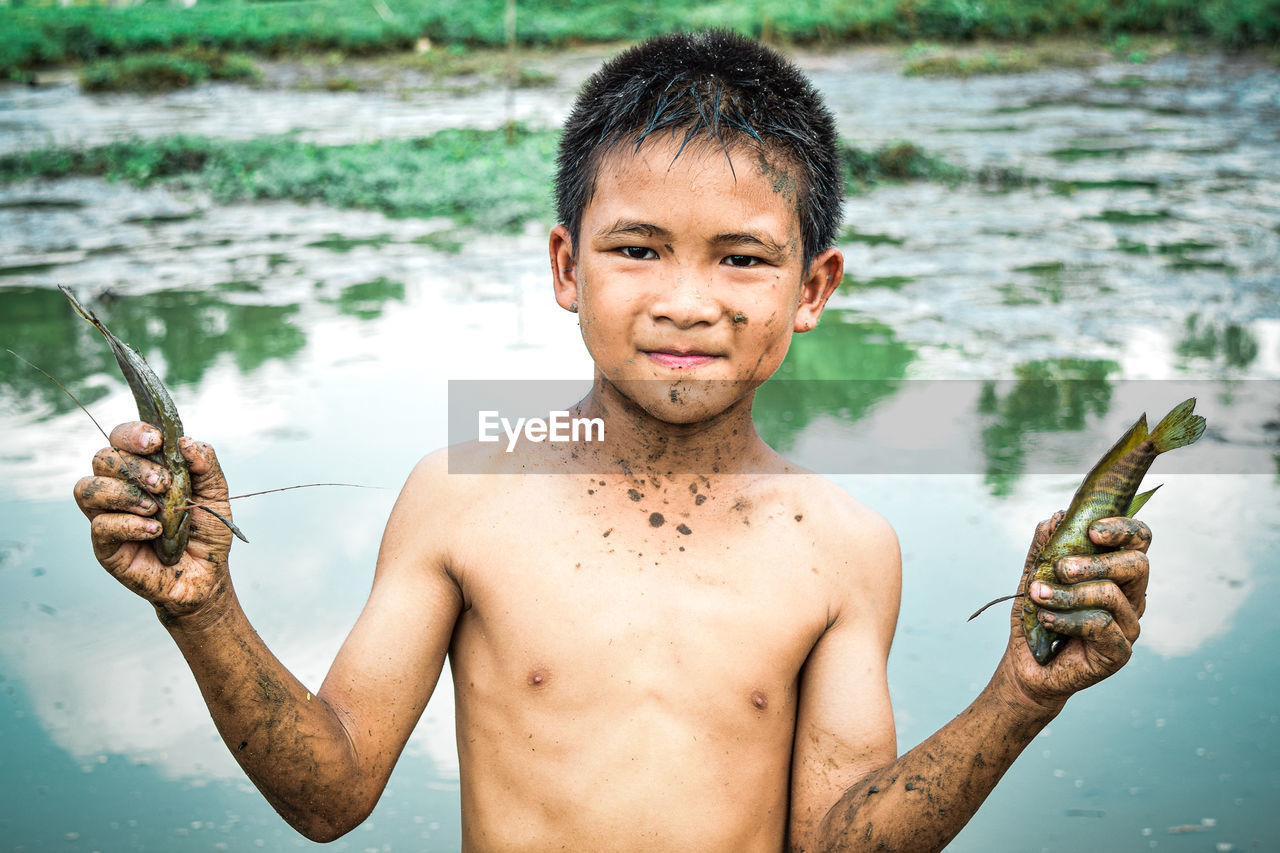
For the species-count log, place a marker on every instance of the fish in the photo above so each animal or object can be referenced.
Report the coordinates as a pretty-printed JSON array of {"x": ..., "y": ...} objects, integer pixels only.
[
  {"x": 157, "y": 408},
  {"x": 1108, "y": 490}
]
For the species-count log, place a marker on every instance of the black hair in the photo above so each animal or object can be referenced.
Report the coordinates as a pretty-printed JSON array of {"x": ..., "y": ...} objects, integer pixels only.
[{"x": 712, "y": 86}]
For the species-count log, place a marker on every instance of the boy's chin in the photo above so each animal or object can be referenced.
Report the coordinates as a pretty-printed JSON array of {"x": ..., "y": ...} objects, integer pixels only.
[{"x": 684, "y": 401}]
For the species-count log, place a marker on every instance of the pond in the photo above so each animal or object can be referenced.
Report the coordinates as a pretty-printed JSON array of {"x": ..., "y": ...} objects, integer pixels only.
[{"x": 992, "y": 339}]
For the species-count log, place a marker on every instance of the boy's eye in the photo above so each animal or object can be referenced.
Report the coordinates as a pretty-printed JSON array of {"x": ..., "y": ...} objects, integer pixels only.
[
  {"x": 741, "y": 261},
  {"x": 639, "y": 253}
]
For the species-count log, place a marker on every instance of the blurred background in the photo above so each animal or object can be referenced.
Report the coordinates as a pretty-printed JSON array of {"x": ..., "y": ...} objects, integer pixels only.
[{"x": 310, "y": 216}]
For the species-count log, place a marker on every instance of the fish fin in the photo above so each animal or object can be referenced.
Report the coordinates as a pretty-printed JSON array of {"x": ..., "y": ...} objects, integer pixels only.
[
  {"x": 1139, "y": 501},
  {"x": 1179, "y": 428}
]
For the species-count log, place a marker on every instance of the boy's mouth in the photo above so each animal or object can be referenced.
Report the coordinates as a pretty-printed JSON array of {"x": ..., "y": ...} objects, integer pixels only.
[{"x": 680, "y": 360}]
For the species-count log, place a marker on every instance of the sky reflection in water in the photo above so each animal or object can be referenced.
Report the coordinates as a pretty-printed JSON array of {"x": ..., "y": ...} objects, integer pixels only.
[{"x": 102, "y": 711}]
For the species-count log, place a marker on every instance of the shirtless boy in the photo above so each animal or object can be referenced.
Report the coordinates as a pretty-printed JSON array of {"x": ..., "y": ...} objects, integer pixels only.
[{"x": 684, "y": 647}]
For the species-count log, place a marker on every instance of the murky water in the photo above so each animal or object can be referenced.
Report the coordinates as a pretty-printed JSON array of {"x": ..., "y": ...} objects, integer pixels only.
[
  {"x": 396, "y": 103},
  {"x": 312, "y": 344}
]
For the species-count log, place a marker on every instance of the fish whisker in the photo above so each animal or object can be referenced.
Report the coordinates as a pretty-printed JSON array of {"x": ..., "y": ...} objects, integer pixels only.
[
  {"x": 228, "y": 522},
  {"x": 978, "y": 612}
]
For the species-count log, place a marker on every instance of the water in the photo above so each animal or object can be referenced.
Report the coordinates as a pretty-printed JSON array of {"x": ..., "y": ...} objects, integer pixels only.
[{"x": 310, "y": 344}]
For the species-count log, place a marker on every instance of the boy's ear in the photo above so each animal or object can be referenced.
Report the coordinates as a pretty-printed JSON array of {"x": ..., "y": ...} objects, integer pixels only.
[
  {"x": 564, "y": 270},
  {"x": 824, "y": 276}
]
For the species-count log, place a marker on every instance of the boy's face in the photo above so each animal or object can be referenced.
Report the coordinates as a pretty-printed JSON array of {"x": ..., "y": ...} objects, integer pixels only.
[{"x": 689, "y": 277}]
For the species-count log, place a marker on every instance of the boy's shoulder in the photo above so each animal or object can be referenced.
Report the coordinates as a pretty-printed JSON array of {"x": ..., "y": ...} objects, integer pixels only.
[
  {"x": 477, "y": 479},
  {"x": 830, "y": 514},
  {"x": 460, "y": 468},
  {"x": 858, "y": 550}
]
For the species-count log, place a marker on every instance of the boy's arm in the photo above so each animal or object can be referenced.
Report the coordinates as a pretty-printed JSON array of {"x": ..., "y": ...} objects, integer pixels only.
[
  {"x": 848, "y": 791},
  {"x": 321, "y": 760}
]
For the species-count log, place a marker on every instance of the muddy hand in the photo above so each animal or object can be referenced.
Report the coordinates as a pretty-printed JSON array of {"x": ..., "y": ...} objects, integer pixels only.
[
  {"x": 1095, "y": 605},
  {"x": 119, "y": 502}
]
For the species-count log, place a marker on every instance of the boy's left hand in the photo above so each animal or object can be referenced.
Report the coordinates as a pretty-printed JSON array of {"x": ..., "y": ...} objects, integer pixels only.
[{"x": 1095, "y": 606}]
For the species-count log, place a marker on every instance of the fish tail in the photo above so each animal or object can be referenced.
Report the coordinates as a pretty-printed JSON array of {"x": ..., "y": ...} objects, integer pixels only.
[
  {"x": 1139, "y": 501},
  {"x": 1179, "y": 428}
]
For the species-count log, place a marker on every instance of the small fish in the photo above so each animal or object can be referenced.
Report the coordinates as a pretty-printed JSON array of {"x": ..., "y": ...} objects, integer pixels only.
[
  {"x": 1108, "y": 490},
  {"x": 156, "y": 407}
]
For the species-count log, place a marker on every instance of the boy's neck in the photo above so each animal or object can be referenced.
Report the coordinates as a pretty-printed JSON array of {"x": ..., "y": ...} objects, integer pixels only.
[{"x": 644, "y": 447}]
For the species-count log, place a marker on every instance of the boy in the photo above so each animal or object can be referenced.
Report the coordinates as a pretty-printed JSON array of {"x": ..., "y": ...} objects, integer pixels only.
[{"x": 687, "y": 648}]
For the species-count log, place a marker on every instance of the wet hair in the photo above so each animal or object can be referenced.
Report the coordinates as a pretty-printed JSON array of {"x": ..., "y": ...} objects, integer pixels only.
[{"x": 715, "y": 87}]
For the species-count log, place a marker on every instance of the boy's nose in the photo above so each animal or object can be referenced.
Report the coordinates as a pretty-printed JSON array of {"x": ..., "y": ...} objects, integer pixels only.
[{"x": 686, "y": 301}]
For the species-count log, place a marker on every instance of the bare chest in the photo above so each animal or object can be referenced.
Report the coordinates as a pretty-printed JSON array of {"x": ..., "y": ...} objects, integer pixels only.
[{"x": 643, "y": 594}]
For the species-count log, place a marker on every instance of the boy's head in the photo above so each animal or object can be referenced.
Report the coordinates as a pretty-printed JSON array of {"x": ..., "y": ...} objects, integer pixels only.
[{"x": 714, "y": 87}]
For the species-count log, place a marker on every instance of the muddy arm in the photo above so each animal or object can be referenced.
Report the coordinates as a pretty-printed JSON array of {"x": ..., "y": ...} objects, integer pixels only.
[
  {"x": 849, "y": 796},
  {"x": 323, "y": 759},
  {"x": 320, "y": 759},
  {"x": 291, "y": 744},
  {"x": 852, "y": 792},
  {"x": 924, "y": 798}
]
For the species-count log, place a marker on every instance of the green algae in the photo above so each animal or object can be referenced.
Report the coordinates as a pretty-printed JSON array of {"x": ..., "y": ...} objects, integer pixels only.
[
  {"x": 892, "y": 282},
  {"x": 853, "y": 235}
]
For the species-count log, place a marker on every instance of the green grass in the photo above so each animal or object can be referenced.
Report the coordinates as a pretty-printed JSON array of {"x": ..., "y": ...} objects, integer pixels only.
[
  {"x": 43, "y": 33},
  {"x": 151, "y": 72},
  {"x": 341, "y": 244},
  {"x": 853, "y": 235},
  {"x": 899, "y": 161},
  {"x": 1130, "y": 217},
  {"x": 1043, "y": 268},
  {"x": 1131, "y": 247},
  {"x": 473, "y": 176},
  {"x": 1072, "y": 187},
  {"x": 925, "y": 59},
  {"x": 891, "y": 282},
  {"x": 1076, "y": 153}
]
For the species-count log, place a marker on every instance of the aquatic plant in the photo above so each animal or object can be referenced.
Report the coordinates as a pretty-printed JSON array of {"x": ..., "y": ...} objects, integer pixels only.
[
  {"x": 151, "y": 72},
  {"x": 899, "y": 161},
  {"x": 473, "y": 176},
  {"x": 476, "y": 177}
]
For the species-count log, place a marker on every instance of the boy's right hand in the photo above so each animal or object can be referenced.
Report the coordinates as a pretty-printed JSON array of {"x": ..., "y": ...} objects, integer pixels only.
[{"x": 116, "y": 499}]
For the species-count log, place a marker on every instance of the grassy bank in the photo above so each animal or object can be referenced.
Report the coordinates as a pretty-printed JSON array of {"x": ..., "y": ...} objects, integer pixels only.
[
  {"x": 473, "y": 176},
  {"x": 42, "y": 34},
  {"x": 476, "y": 177},
  {"x": 154, "y": 72}
]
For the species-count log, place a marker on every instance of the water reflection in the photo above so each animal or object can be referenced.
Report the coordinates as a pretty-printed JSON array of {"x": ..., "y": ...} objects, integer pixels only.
[
  {"x": 844, "y": 347},
  {"x": 1048, "y": 396},
  {"x": 38, "y": 324},
  {"x": 1231, "y": 343},
  {"x": 365, "y": 301},
  {"x": 182, "y": 333}
]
